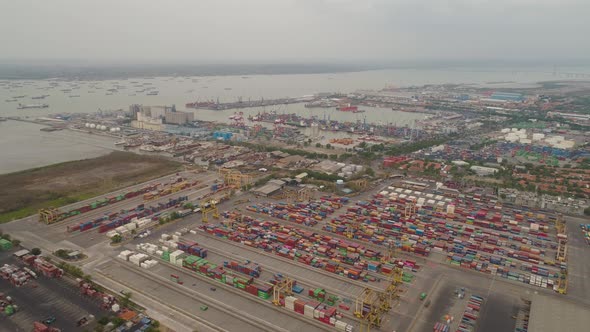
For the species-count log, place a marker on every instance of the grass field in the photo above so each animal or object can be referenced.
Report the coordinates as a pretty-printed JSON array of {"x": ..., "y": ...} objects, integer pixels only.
[{"x": 23, "y": 193}]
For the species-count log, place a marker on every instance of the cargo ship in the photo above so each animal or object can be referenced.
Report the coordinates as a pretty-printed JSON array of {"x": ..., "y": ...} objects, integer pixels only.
[
  {"x": 358, "y": 111},
  {"x": 152, "y": 93},
  {"x": 22, "y": 107},
  {"x": 347, "y": 108},
  {"x": 202, "y": 104}
]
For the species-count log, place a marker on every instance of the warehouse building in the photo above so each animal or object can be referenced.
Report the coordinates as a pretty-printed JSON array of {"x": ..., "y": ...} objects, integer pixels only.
[
  {"x": 270, "y": 188},
  {"x": 483, "y": 171}
]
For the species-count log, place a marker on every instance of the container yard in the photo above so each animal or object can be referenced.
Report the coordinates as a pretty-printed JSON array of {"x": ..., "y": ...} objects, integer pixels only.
[{"x": 328, "y": 263}]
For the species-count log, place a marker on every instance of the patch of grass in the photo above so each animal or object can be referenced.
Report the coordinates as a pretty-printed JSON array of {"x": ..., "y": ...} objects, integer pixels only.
[{"x": 24, "y": 193}]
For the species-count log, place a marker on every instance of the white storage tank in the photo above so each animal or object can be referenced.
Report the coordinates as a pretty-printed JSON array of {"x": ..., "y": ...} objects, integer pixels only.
[{"x": 92, "y": 126}]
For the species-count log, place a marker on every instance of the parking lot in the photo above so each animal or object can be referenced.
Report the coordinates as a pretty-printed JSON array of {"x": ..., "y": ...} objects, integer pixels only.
[{"x": 42, "y": 298}]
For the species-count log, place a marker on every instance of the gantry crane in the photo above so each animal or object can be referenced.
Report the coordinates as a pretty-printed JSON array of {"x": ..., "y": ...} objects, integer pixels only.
[
  {"x": 351, "y": 229},
  {"x": 561, "y": 254},
  {"x": 288, "y": 195},
  {"x": 368, "y": 309},
  {"x": 49, "y": 215},
  {"x": 235, "y": 178},
  {"x": 390, "y": 253},
  {"x": 304, "y": 194},
  {"x": 285, "y": 286},
  {"x": 562, "y": 282},
  {"x": 410, "y": 209},
  {"x": 361, "y": 184},
  {"x": 209, "y": 206}
]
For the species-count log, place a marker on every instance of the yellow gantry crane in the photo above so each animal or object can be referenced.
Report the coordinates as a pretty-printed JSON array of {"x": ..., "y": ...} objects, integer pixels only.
[
  {"x": 49, "y": 215},
  {"x": 368, "y": 309},
  {"x": 207, "y": 207},
  {"x": 285, "y": 286},
  {"x": 361, "y": 184},
  {"x": 410, "y": 209},
  {"x": 235, "y": 178},
  {"x": 562, "y": 282},
  {"x": 561, "y": 255},
  {"x": 304, "y": 194}
]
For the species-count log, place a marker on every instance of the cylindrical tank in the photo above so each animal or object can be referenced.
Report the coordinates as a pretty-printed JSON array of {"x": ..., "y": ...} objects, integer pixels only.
[{"x": 92, "y": 125}]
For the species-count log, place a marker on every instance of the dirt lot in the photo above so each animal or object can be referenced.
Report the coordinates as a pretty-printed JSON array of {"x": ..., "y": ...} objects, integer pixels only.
[{"x": 22, "y": 193}]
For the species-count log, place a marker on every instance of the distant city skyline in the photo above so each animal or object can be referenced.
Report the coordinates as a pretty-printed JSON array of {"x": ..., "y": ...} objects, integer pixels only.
[{"x": 295, "y": 31}]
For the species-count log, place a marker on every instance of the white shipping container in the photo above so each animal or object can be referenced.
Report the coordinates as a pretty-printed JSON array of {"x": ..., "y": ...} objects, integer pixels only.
[
  {"x": 340, "y": 325},
  {"x": 112, "y": 233},
  {"x": 316, "y": 313}
]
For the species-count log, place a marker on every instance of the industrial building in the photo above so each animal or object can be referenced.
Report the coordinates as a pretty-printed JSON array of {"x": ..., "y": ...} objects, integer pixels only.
[
  {"x": 483, "y": 171},
  {"x": 506, "y": 96},
  {"x": 154, "y": 117},
  {"x": 271, "y": 187}
]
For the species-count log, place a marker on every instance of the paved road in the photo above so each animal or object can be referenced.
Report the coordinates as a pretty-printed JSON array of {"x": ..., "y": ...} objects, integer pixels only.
[
  {"x": 245, "y": 312},
  {"x": 578, "y": 261}
]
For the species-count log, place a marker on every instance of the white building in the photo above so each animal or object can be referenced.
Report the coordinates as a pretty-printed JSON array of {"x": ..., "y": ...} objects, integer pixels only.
[{"x": 483, "y": 171}]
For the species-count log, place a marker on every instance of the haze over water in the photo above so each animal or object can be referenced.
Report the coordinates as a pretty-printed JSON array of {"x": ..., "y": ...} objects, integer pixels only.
[{"x": 26, "y": 144}]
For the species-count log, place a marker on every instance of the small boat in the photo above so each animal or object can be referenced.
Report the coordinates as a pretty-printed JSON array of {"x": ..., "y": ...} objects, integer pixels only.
[{"x": 22, "y": 107}]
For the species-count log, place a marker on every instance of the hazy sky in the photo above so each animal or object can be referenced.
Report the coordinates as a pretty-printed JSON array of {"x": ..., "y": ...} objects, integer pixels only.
[{"x": 286, "y": 30}]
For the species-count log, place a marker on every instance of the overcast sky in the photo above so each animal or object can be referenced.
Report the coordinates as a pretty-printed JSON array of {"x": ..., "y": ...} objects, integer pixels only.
[{"x": 300, "y": 30}]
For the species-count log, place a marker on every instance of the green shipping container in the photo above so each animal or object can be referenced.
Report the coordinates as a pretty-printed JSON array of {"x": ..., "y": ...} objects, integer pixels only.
[
  {"x": 5, "y": 244},
  {"x": 9, "y": 310},
  {"x": 263, "y": 295}
]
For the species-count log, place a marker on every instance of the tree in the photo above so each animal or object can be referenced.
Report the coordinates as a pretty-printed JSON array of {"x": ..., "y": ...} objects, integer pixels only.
[
  {"x": 328, "y": 146},
  {"x": 587, "y": 211},
  {"x": 125, "y": 299},
  {"x": 36, "y": 251},
  {"x": 15, "y": 243},
  {"x": 370, "y": 171},
  {"x": 117, "y": 238},
  {"x": 103, "y": 321},
  {"x": 318, "y": 145}
]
